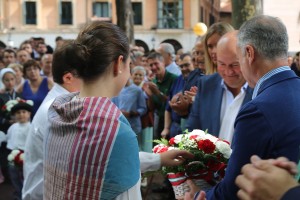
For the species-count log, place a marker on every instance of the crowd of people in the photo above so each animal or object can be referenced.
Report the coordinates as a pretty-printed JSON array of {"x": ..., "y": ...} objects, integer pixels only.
[{"x": 99, "y": 103}]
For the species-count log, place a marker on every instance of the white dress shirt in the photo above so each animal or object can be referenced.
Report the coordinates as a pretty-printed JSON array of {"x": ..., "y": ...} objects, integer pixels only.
[
  {"x": 229, "y": 110},
  {"x": 33, "y": 165}
]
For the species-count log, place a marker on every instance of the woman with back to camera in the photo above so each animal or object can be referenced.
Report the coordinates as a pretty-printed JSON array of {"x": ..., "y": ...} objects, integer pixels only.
[{"x": 91, "y": 151}]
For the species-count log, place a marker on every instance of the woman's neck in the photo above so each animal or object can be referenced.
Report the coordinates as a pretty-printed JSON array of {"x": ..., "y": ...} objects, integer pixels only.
[{"x": 100, "y": 88}]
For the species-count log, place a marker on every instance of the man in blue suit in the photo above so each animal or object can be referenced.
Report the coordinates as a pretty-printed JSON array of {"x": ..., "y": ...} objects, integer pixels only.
[
  {"x": 221, "y": 95},
  {"x": 267, "y": 126}
]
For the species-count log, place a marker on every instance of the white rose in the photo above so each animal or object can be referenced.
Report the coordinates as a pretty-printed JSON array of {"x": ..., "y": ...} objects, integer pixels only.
[
  {"x": 10, "y": 158},
  {"x": 15, "y": 152},
  {"x": 172, "y": 148},
  {"x": 197, "y": 132},
  {"x": 22, "y": 156},
  {"x": 178, "y": 138},
  {"x": 224, "y": 148},
  {"x": 211, "y": 137}
]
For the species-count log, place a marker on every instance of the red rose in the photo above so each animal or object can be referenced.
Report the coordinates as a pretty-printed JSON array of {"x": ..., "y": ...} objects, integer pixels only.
[
  {"x": 214, "y": 165},
  {"x": 171, "y": 141},
  {"x": 160, "y": 149},
  {"x": 193, "y": 137},
  {"x": 224, "y": 141},
  {"x": 206, "y": 145}
]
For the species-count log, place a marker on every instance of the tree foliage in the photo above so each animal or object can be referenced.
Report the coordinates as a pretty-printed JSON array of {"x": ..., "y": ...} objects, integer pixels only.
[
  {"x": 125, "y": 18},
  {"x": 243, "y": 10}
]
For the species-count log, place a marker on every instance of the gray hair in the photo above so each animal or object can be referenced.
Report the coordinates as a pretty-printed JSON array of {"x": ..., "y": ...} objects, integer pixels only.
[
  {"x": 139, "y": 68},
  {"x": 267, "y": 35},
  {"x": 168, "y": 48}
]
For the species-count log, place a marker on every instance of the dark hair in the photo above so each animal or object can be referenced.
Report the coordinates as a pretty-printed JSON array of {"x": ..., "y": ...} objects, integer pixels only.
[
  {"x": 30, "y": 63},
  {"x": 58, "y": 38},
  {"x": 10, "y": 51},
  {"x": 21, "y": 106},
  {"x": 59, "y": 63},
  {"x": 182, "y": 56},
  {"x": 96, "y": 47}
]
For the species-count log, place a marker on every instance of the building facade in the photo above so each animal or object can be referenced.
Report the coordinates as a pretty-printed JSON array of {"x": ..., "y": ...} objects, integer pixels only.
[{"x": 155, "y": 21}]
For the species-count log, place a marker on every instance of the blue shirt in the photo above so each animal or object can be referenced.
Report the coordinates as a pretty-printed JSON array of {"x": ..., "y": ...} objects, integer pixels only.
[{"x": 131, "y": 98}]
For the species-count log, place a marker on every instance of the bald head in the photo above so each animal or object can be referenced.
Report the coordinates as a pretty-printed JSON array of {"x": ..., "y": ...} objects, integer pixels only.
[
  {"x": 227, "y": 42},
  {"x": 228, "y": 65}
]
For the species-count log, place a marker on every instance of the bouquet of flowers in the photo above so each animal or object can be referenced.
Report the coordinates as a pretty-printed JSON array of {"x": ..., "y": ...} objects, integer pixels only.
[
  {"x": 211, "y": 155},
  {"x": 16, "y": 158}
]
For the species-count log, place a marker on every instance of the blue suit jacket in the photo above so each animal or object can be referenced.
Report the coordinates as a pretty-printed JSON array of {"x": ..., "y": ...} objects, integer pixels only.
[
  {"x": 206, "y": 109},
  {"x": 267, "y": 126},
  {"x": 292, "y": 194}
]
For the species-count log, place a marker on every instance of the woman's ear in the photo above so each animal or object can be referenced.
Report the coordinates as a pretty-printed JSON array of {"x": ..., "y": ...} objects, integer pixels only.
[{"x": 117, "y": 66}]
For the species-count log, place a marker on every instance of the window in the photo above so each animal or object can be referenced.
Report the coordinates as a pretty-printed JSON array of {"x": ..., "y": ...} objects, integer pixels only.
[
  {"x": 30, "y": 12},
  {"x": 66, "y": 12},
  {"x": 138, "y": 13},
  {"x": 101, "y": 9},
  {"x": 170, "y": 14}
]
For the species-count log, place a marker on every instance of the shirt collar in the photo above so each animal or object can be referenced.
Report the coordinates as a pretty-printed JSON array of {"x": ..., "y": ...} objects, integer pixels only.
[
  {"x": 223, "y": 85},
  {"x": 266, "y": 77}
]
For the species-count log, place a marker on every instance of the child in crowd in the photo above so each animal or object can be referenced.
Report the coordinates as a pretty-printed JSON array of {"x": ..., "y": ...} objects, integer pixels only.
[{"x": 16, "y": 138}]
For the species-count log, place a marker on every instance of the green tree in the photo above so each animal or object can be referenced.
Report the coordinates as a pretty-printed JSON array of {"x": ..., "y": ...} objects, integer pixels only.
[
  {"x": 125, "y": 18},
  {"x": 243, "y": 10}
]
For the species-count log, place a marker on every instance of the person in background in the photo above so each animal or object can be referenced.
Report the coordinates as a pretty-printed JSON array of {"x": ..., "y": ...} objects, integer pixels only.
[
  {"x": 59, "y": 41},
  {"x": 172, "y": 126},
  {"x": 46, "y": 64},
  {"x": 146, "y": 136},
  {"x": 41, "y": 50},
  {"x": 36, "y": 87},
  {"x": 9, "y": 56},
  {"x": 8, "y": 78},
  {"x": 23, "y": 56},
  {"x": 211, "y": 38},
  {"x": 66, "y": 81},
  {"x": 16, "y": 137},
  {"x": 132, "y": 103},
  {"x": 159, "y": 90},
  {"x": 18, "y": 69},
  {"x": 26, "y": 45},
  {"x": 168, "y": 53}
]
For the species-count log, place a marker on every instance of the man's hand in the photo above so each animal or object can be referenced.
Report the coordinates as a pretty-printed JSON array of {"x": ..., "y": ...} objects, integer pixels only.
[
  {"x": 263, "y": 180},
  {"x": 180, "y": 104},
  {"x": 153, "y": 88},
  {"x": 174, "y": 157},
  {"x": 165, "y": 133}
]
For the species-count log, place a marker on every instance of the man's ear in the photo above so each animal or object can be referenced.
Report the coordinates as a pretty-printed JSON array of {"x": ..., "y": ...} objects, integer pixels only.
[
  {"x": 117, "y": 69},
  {"x": 250, "y": 54},
  {"x": 67, "y": 78}
]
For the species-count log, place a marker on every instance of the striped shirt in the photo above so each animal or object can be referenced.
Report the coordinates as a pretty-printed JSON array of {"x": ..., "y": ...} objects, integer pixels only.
[{"x": 267, "y": 76}]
